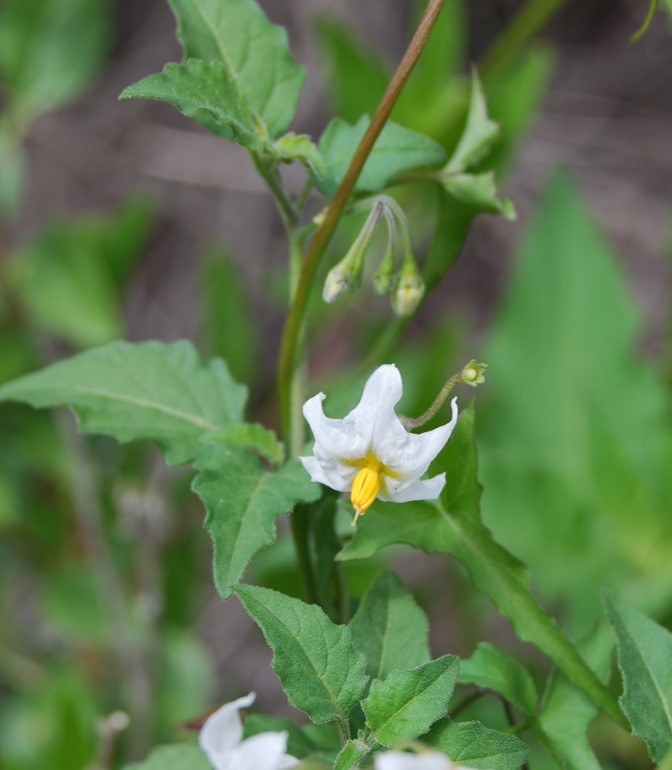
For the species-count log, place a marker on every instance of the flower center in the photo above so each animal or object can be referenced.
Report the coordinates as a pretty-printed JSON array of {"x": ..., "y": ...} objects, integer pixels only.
[{"x": 365, "y": 487}]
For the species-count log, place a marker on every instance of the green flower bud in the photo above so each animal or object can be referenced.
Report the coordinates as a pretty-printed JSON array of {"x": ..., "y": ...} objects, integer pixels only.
[
  {"x": 408, "y": 293},
  {"x": 341, "y": 280}
]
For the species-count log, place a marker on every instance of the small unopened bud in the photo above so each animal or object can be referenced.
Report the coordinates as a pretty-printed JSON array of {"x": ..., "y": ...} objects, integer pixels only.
[
  {"x": 473, "y": 373},
  {"x": 341, "y": 280},
  {"x": 407, "y": 294},
  {"x": 383, "y": 280}
]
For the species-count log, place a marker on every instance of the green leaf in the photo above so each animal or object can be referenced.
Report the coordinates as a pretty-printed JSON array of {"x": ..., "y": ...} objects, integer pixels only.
[
  {"x": 406, "y": 703},
  {"x": 460, "y": 532},
  {"x": 69, "y": 278},
  {"x": 250, "y": 437},
  {"x": 644, "y": 655},
  {"x": 243, "y": 501},
  {"x": 149, "y": 390},
  {"x": 292, "y": 147},
  {"x": 351, "y": 754},
  {"x": 479, "y": 132},
  {"x": 470, "y": 744},
  {"x": 205, "y": 92},
  {"x": 495, "y": 670},
  {"x": 181, "y": 756},
  {"x": 255, "y": 53},
  {"x": 13, "y": 169},
  {"x": 321, "y": 672},
  {"x": 37, "y": 41},
  {"x": 390, "y": 628},
  {"x": 397, "y": 150},
  {"x": 324, "y": 543},
  {"x": 480, "y": 192},
  {"x": 299, "y": 744}
]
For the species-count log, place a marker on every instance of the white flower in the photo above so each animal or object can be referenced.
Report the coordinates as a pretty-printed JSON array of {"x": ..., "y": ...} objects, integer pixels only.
[
  {"x": 427, "y": 760},
  {"x": 369, "y": 453},
  {"x": 221, "y": 740}
]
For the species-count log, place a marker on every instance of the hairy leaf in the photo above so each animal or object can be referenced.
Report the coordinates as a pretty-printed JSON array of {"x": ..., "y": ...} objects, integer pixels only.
[
  {"x": 243, "y": 502},
  {"x": 470, "y": 744},
  {"x": 149, "y": 390},
  {"x": 390, "y": 628},
  {"x": 406, "y": 703},
  {"x": 320, "y": 671}
]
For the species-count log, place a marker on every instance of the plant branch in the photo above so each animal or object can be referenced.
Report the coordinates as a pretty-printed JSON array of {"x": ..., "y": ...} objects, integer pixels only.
[{"x": 335, "y": 210}]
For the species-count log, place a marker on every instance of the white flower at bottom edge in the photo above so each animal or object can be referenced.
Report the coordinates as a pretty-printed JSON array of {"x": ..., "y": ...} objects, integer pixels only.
[
  {"x": 400, "y": 760},
  {"x": 369, "y": 453},
  {"x": 221, "y": 740}
]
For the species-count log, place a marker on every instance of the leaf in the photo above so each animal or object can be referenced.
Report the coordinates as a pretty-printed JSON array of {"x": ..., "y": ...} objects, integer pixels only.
[
  {"x": 37, "y": 40},
  {"x": 478, "y": 191},
  {"x": 292, "y": 147},
  {"x": 320, "y": 671},
  {"x": 644, "y": 654},
  {"x": 250, "y": 437},
  {"x": 205, "y": 92},
  {"x": 470, "y": 744},
  {"x": 149, "y": 390},
  {"x": 406, "y": 703},
  {"x": 390, "y": 628},
  {"x": 243, "y": 501},
  {"x": 324, "y": 544},
  {"x": 351, "y": 754},
  {"x": 397, "y": 150},
  {"x": 495, "y": 670},
  {"x": 299, "y": 744},
  {"x": 181, "y": 756},
  {"x": 237, "y": 35},
  {"x": 493, "y": 569},
  {"x": 479, "y": 133}
]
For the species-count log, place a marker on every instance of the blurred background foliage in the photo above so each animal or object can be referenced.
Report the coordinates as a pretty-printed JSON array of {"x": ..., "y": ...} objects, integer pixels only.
[{"x": 121, "y": 220}]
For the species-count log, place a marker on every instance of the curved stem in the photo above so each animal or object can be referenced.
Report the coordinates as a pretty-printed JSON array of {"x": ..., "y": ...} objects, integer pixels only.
[{"x": 335, "y": 210}]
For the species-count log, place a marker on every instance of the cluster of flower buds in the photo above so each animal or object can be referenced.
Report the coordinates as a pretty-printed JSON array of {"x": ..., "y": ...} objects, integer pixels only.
[{"x": 403, "y": 284}]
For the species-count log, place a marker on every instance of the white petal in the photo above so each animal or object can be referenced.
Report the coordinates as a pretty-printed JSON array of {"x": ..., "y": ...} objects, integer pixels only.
[
  {"x": 265, "y": 751},
  {"x": 413, "y": 456},
  {"x": 399, "y": 491},
  {"x": 374, "y": 417},
  {"x": 223, "y": 730},
  {"x": 399, "y": 760},
  {"x": 337, "y": 438}
]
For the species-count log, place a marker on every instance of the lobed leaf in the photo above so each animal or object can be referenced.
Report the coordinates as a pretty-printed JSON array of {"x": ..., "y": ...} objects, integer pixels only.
[
  {"x": 148, "y": 390},
  {"x": 255, "y": 54},
  {"x": 389, "y": 628},
  {"x": 397, "y": 150},
  {"x": 320, "y": 670},
  {"x": 243, "y": 502},
  {"x": 406, "y": 703},
  {"x": 470, "y": 744},
  {"x": 644, "y": 655}
]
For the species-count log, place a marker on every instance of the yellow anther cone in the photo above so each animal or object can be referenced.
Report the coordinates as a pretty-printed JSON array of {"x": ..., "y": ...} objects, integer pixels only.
[{"x": 365, "y": 489}]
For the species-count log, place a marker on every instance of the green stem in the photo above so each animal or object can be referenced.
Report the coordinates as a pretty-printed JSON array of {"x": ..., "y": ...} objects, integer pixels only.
[
  {"x": 290, "y": 341},
  {"x": 269, "y": 173},
  {"x": 527, "y": 23}
]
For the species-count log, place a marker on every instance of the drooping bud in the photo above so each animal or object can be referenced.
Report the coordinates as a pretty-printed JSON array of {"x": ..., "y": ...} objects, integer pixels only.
[
  {"x": 409, "y": 290},
  {"x": 473, "y": 373}
]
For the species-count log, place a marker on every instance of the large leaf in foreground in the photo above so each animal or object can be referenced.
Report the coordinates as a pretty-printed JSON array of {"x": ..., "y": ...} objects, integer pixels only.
[
  {"x": 320, "y": 670},
  {"x": 644, "y": 658},
  {"x": 150, "y": 390},
  {"x": 407, "y": 703},
  {"x": 470, "y": 744},
  {"x": 177, "y": 757},
  {"x": 243, "y": 502},
  {"x": 458, "y": 530},
  {"x": 390, "y": 628},
  {"x": 237, "y": 34}
]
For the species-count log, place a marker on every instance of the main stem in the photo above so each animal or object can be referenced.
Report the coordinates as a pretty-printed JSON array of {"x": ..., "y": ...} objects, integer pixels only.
[{"x": 322, "y": 237}]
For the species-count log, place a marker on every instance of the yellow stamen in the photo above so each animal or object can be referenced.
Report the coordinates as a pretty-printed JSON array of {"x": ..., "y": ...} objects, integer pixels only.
[{"x": 365, "y": 487}]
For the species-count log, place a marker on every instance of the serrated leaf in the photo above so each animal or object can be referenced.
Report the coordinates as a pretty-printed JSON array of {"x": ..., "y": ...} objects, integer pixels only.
[
  {"x": 205, "y": 92},
  {"x": 406, "y": 703},
  {"x": 320, "y": 671},
  {"x": 243, "y": 502},
  {"x": 181, "y": 756},
  {"x": 478, "y": 191},
  {"x": 397, "y": 150},
  {"x": 237, "y": 34},
  {"x": 37, "y": 40},
  {"x": 390, "y": 628},
  {"x": 470, "y": 744},
  {"x": 150, "y": 390},
  {"x": 644, "y": 655},
  {"x": 493, "y": 569},
  {"x": 479, "y": 133},
  {"x": 495, "y": 670},
  {"x": 250, "y": 437}
]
